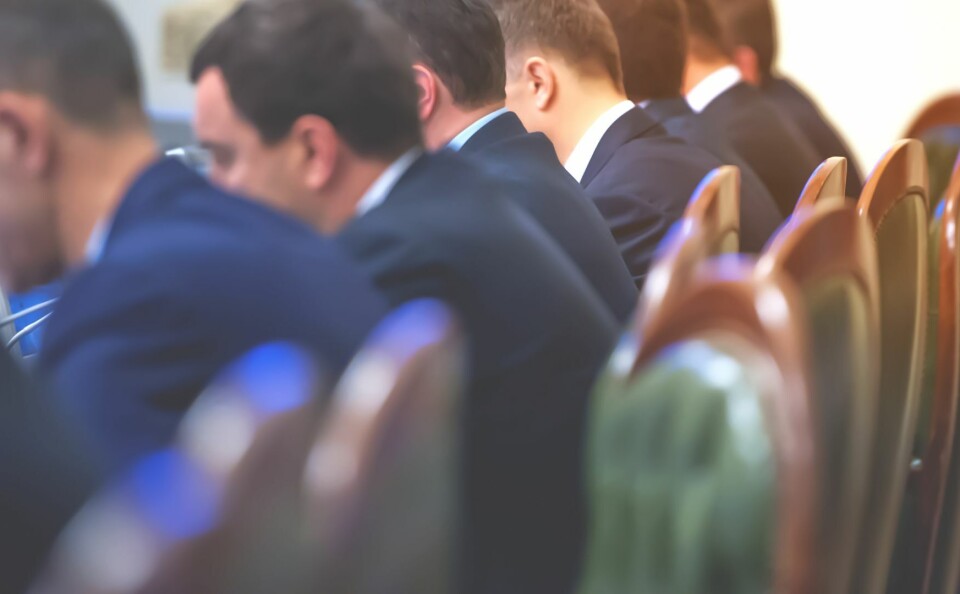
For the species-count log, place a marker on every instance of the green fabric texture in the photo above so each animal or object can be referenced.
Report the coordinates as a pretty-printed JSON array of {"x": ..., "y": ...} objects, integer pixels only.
[{"x": 682, "y": 482}]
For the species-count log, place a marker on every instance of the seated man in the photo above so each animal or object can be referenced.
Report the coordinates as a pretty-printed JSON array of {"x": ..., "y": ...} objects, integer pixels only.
[
  {"x": 750, "y": 27},
  {"x": 461, "y": 73},
  {"x": 564, "y": 79},
  {"x": 653, "y": 50},
  {"x": 773, "y": 146},
  {"x": 311, "y": 105},
  {"x": 173, "y": 279}
]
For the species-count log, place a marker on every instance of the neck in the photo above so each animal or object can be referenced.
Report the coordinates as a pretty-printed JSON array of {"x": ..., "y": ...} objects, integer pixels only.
[
  {"x": 698, "y": 70},
  {"x": 591, "y": 99},
  {"x": 97, "y": 170},
  {"x": 451, "y": 122},
  {"x": 348, "y": 186}
]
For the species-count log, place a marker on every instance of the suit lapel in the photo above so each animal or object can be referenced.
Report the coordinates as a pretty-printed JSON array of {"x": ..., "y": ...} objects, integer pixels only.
[
  {"x": 507, "y": 125},
  {"x": 631, "y": 125}
]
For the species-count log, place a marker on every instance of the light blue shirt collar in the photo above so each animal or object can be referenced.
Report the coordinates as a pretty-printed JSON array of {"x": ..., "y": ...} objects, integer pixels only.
[
  {"x": 461, "y": 139},
  {"x": 381, "y": 188}
]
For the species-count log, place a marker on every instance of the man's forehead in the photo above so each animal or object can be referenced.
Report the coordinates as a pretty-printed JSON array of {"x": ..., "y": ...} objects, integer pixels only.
[{"x": 215, "y": 111}]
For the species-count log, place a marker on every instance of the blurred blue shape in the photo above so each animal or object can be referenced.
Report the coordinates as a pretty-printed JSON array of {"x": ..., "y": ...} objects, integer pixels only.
[
  {"x": 275, "y": 377},
  {"x": 30, "y": 344},
  {"x": 413, "y": 326},
  {"x": 174, "y": 496}
]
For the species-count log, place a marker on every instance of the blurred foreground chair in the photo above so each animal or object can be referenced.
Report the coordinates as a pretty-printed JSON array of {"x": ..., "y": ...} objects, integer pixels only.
[{"x": 828, "y": 184}]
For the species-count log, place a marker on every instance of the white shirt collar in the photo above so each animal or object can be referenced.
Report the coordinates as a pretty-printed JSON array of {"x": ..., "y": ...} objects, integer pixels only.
[
  {"x": 381, "y": 188},
  {"x": 712, "y": 87},
  {"x": 461, "y": 139},
  {"x": 579, "y": 159}
]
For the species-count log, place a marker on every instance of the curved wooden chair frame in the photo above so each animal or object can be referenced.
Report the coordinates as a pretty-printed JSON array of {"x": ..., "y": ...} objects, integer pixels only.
[{"x": 827, "y": 184}]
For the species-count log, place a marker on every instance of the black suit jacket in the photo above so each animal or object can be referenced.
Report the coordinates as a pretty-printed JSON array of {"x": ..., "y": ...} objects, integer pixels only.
[
  {"x": 539, "y": 335},
  {"x": 530, "y": 174},
  {"x": 759, "y": 215},
  {"x": 641, "y": 180},
  {"x": 46, "y": 474},
  {"x": 801, "y": 109},
  {"x": 776, "y": 150}
]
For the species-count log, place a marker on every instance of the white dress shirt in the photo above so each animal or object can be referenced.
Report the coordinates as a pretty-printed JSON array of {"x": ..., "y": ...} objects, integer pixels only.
[
  {"x": 461, "y": 139},
  {"x": 380, "y": 189},
  {"x": 713, "y": 86},
  {"x": 579, "y": 159}
]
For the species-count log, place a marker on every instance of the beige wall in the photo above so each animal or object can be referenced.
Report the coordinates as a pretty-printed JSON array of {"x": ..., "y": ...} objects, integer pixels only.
[{"x": 871, "y": 63}]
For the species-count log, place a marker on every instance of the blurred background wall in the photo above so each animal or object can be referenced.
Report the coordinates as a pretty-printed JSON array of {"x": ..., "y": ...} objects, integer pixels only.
[{"x": 871, "y": 63}]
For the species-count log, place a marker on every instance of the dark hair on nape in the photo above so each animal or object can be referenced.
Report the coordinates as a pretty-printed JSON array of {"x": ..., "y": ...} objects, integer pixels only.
[
  {"x": 751, "y": 23},
  {"x": 653, "y": 46},
  {"x": 76, "y": 54},
  {"x": 341, "y": 60},
  {"x": 707, "y": 38},
  {"x": 460, "y": 40}
]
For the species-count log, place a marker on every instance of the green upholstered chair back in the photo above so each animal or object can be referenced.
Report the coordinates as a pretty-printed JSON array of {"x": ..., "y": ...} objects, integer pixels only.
[
  {"x": 828, "y": 184},
  {"x": 716, "y": 205},
  {"x": 678, "y": 501},
  {"x": 683, "y": 478},
  {"x": 939, "y": 492},
  {"x": 942, "y": 146},
  {"x": 381, "y": 481},
  {"x": 894, "y": 203},
  {"x": 829, "y": 252}
]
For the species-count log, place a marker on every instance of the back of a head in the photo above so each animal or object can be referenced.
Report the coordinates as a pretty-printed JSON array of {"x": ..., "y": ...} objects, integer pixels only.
[
  {"x": 74, "y": 53},
  {"x": 707, "y": 40},
  {"x": 576, "y": 30},
  {"x": 653, "y": 46},
  {"x": 750, "y": 23},
  {"x": 460, "y": 40},
  {"x": 338, "y": 59}
]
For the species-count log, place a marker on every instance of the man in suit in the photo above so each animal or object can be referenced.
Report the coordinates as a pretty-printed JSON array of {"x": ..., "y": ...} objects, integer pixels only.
[
  {"x": 750, "y": 28},
  {"x": 564, "y": 79},
  {"x": 773, "y": 146},
  {"x": 171, "y": 279},
  {"x": 653, "y": 52},
  {"x": 288, "y": 76},
  {"x": 46, "y": 474},
  {"x": 461, "y": 72}
]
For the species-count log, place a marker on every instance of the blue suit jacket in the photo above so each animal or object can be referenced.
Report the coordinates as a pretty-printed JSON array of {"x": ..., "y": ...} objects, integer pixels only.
[
  {"x": 539, "y": 336},
  {"x": 641, "y": 180},
  {"x": 801, "y": 109},
  {"x": 189, "y": 279},
  {"x": 530, "y": 174},
  {"x": 759, "y": 215}
]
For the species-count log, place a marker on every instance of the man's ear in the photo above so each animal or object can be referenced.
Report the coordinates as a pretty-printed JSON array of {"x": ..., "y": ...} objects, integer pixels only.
[
  {"x": 319, "y": 144},
  {"x": 429, "y": 93},
  {"x": 748, "y": 63},
  {"x": 24, "y": 133},
  {"x": 541, "y": 81}
]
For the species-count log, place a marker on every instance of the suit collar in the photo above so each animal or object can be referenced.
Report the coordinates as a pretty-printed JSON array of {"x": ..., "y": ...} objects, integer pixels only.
[
  {"x": 662, "y": 110},
  {"x": 506, "y": 125},
  {"x": 713, "y": 86},
  {"x": 631, "y": 125},
  {"x": 152, "y": 190}
]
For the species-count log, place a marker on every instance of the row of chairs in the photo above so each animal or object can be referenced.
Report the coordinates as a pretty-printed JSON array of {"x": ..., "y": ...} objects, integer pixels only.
[
  {"x": 787, "y": 422},
  {"x": 278, "y": 482}
]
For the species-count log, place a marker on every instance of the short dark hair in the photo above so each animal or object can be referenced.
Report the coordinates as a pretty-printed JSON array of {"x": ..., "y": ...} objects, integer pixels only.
[
  {"x": 460, "y": 40},
  {"x": 653, "y": 46},
  {"x": 76, "y": 54},
  {"x": 751, "y": 23},
  {"x": 338, "y": 59},
  {"x": 707, "y": 38},
  {"x": 578, "y": 30}
]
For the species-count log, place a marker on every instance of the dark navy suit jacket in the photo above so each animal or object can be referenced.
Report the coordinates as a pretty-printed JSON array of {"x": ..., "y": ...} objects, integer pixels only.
[
  {"x": 773, "y": 146},
  {"x": 759, "y": 215},
  {"x": 46, "y": 474},
  {"x": 189, "y": 279},
  {"x": 539, "y": 336},
  {"x": 641, "y": 180},
  {"x": 530, "y": 174},
  {"x": 801, "y": 109}
]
